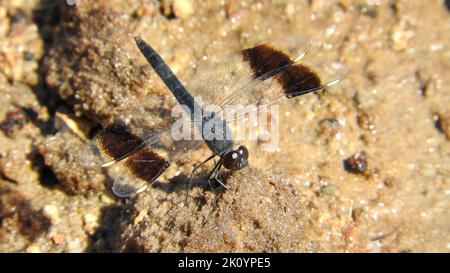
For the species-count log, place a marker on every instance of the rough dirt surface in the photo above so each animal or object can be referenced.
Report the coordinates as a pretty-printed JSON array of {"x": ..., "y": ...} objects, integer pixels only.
[{"x": 362, "y": 167}]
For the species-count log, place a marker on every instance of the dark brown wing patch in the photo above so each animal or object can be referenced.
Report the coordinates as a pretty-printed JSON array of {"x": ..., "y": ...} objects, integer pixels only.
[
  {"x": 296, "y": 79},
  {"x": 146, "y": 165},
  {"x": 264, "y": 58},
  {"x": 120, "y": 144},
  {"x": 117, "y": 141},
  {"x": 267, "y": 62}
]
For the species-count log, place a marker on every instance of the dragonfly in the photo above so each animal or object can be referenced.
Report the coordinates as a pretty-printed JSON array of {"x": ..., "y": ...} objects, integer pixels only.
[{"x": 263, "y": 74}]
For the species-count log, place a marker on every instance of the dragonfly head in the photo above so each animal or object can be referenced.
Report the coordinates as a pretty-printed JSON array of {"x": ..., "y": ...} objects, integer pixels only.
[{"x": 236, "y": 159}]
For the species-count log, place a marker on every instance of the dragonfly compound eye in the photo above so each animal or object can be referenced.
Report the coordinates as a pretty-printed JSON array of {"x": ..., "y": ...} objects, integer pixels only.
[{"x": 236, "y": 159}]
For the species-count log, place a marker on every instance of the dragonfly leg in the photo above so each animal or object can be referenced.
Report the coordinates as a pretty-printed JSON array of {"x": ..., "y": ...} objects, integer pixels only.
[
  {"x": 217, "y": 171},
  {"x": 188, "y": 185}
]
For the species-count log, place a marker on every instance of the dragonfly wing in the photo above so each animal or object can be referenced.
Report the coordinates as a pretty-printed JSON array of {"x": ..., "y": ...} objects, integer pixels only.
[
  {"x": 146, "y": 164},
  {"x": 264, "y": 74},
  {"x": 219, "y": 79},
  {"x": 267, "y": 75},
  {"x": 137, "y": 171},
  {"x": 134, "y": 153},
  {"x": 292, "y": 81}
]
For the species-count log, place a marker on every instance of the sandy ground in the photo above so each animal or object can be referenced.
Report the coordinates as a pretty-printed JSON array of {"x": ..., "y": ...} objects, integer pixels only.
[{"x": 361, "y": 167}]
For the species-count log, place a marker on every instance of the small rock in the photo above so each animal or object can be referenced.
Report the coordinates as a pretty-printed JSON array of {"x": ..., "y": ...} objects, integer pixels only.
[
  {"x": 402, "y": 35},
  {"x": 290, "y": 10},
  {"x": 350, "y": 233},
  {"x": 58, "y": 239},
  {"x": 365, "y": 121},
  {"x": 357, "y": 163},
  {"x": 358, "y": 214},
  {"x": 183, "y": 8},
  {"x": 373, "y": 174},
  {"x": 328, "y": 128},
  {"x": 51, "y": 212},
  {"x": 13, "y": 122},
  {"x": 107, "y": 199},
  {"x": 139, "y": 217},
  {"x": 65, "y": 119},
  {"x": 90, "y": 223},
  {"x": 389, "y": 182},
  {"x": 166, "y": 9}
]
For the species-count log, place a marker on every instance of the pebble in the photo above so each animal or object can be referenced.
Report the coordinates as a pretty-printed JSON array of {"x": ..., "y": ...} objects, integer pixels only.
[
  {"x": 90, "y": 223},
  {"x": 389, "y": 182},
  {"x": 365, "y": 121},
  {"x": 357, "y": 163},
  {"x": 290, "y": 10},
  {"x": 183, "y": 8},
  {"x": 402, "y": 35},
  {"x": 51, "y": 212},
  {"x": 14, "y": 121},
  {"x": 58, "y": 239}
]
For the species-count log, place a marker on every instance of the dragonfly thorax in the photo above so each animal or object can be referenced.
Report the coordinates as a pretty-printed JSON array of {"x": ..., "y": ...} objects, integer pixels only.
[{"x": 216, "y": 133}]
